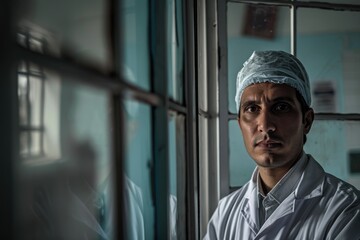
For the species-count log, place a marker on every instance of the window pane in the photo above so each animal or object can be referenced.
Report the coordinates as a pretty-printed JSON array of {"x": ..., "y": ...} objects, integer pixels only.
[
  {"x": 329, "y": 47},
  {"x": 35, "y": 100},
  {"x": 342, "y": 143},
  {"x": 136, "y": 42},
  {"x": 335, "y": 1},
  {"x": 340, "y": 139},
  {"x": 24, "y": 142},
  {"x": 74, "y": 30},
  {"x": 23, "y": 100},
  {"x": 177, "y": 214},
  {"x": 70, "y": 196},
  {"x": 139, "y": 167},
  {"x": 241, "y": 166},
  {"x": 39, "y": 110},
  {"x": 250, "y": 28},
  {"x": 35, "y": 143},
  {"x": 175, "y": 50},
  {"x": 172, "y": 155}
]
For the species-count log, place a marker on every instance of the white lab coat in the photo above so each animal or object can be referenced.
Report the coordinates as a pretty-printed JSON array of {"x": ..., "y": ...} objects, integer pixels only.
[{"x": 321, "y": 207}]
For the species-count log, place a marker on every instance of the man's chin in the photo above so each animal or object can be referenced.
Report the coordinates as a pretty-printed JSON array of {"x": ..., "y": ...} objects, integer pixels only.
[{"x": 268, "y": 160}]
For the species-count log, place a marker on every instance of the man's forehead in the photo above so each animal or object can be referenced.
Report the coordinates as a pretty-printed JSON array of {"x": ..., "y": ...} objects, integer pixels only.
[{"x": 271, "y": 90}]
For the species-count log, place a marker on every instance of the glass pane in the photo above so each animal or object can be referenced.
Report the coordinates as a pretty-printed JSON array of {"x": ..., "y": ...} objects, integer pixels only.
[
  {"x": 175, "y": 47},
  {"x": 329, "y": 47},
  {"x": 68, "y": 193},
  {"x": 241, "y": 166},
  {"x": 177, "y": 214},
  {"x": 23, "y": 100},
  {"x": 136, "y": 58},
  {"x": 35, "y": 143},
  {"x": 39, "y": 109},
  {"x": 172, "y": 155},
  {"x": 335, "y": 1},
  {"x": 75, "y": 30},
  {"x": 341, "y": 139},
  {"x": 24, "y": 143},
  {"x": 138, "y": 199},
  {"x": 35, "y": 100},
  {"x": 250, "y": 28}
]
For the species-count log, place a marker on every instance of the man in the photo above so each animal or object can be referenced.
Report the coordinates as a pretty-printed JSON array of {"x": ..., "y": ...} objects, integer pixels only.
[{"x": 289, "y": 195}]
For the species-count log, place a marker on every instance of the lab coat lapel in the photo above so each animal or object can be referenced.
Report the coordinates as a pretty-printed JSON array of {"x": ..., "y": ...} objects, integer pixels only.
[
  {"x": 250, "y": 209},
  {"x": 312, "y": 181}
]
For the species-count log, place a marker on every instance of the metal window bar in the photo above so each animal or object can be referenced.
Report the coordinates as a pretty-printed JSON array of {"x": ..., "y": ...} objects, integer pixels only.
[
  {"x": 160, "y": 146},
  {"x": 114, "y": 84},
  {"x": 322, "y": 5},
  {"x": 191, "y": 138},
  {"x": 293, "y": 31}
]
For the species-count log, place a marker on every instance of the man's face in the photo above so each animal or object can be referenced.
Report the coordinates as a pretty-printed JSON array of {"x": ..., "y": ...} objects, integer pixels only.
[{"x": 272, "y": 124}]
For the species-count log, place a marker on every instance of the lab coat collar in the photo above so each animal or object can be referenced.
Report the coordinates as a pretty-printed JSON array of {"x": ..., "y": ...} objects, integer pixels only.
[
  {"x": 312, "y": 181},
  {"x": 251, "y": 204},
  {"x": 310, "y": 186}
]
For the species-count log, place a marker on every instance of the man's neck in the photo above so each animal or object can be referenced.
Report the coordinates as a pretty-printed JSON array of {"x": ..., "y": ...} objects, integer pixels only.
[{"x": 269, "y": 177}]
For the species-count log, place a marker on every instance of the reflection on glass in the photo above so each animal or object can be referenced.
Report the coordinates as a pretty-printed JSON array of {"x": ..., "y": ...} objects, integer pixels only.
[
  {"x": 253, "y": 27},
  {"x": 36, "y": 146},
  {"x": 175, "y": 47},
  {"x": 23, "y": 98},
  {"x": 330, "y": 50},
  {"x": 241, "y": 165},
  {"x": 66, "y": 192},
  {"x": 76, "y": 30},
  {"x": 172, "y": 176},
  {"x": 23, "y": 143},
  {"x": 177, "y": 176},
  {"x": 35, "y": 97},
  {"x": 136, "y": 53},
  {"x": 336, "y": 1},
  {"x": 340, "y": 139},
  {"x": 31, "y": 93},
  {"x": 139, "y": 202}
]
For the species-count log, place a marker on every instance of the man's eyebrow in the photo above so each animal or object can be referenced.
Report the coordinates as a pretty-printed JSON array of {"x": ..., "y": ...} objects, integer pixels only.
[
  {"x": 277, "y": 99},
  {"x": 248, "y": 102}
]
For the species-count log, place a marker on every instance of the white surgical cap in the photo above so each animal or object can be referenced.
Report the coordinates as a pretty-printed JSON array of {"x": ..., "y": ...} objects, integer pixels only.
[{"x": 275, "y": 67}]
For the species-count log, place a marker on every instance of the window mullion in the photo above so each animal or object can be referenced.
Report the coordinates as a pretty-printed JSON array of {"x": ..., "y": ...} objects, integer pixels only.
[{"x": 160, "y": 117}]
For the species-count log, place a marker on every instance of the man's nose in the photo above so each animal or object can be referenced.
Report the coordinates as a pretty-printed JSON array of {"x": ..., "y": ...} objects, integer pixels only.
[{"x": 266, "y": 122}]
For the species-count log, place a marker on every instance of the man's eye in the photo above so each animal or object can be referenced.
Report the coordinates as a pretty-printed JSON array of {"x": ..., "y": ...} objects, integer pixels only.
[
  {"x": 281, "y": 107},
  {"x": 251, "y": 109}
]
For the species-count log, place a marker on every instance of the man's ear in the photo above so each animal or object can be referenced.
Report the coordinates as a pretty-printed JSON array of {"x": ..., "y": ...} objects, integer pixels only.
[{"x": 308, "y": 120}]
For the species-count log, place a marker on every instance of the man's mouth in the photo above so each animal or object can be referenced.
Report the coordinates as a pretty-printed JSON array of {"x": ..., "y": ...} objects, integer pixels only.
[{"x": 269, "y": 144}]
